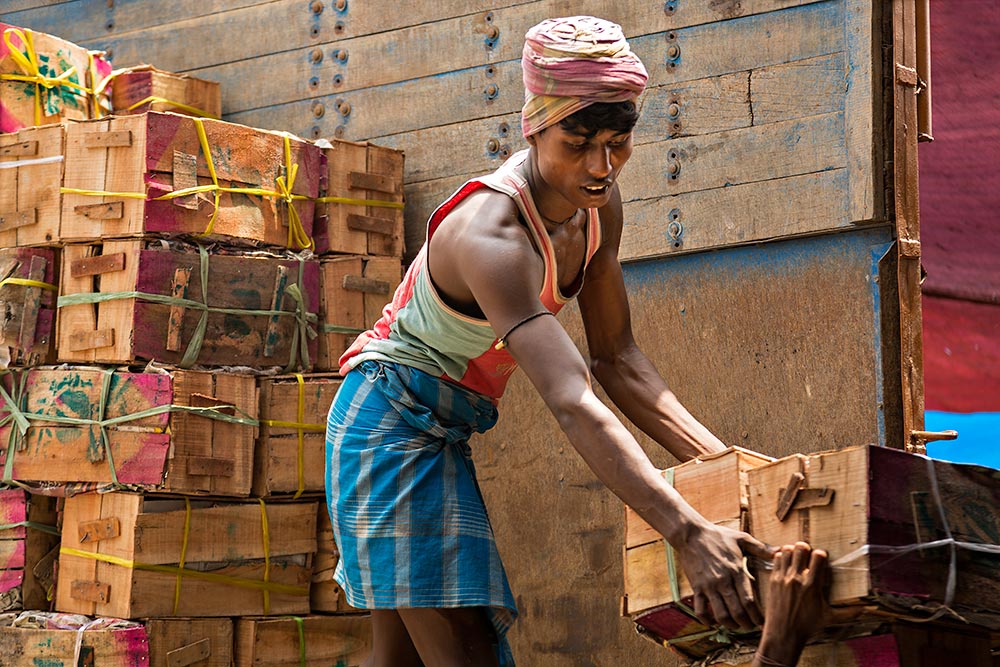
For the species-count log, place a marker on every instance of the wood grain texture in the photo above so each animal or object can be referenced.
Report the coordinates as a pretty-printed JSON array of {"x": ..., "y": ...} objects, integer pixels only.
[
  {"x": 169, "y": 636},
  {"x": 28, "y": 647},
  {"x": 344, "y": 641}
]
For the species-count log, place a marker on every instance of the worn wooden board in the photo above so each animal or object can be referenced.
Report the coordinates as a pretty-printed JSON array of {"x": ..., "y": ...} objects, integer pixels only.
[
  {"x": 31, "y": 169},
  {"x": 878, "y": 499},
  {"x": 226, "y": 540},
  {"x": 198, "y": 642},
  {"x": 252, "y": 285},
  {"x": 177, "y": 93},
  {"x": 156, "y": 153},
  {"x": 174, "y": 451},
  {"x": 313, "y": 641},
  {"x": 28, "y": 284},
  {"x": 289, "y": 458},
  {"x": 27, "y": 552},
  {"x": 353, "y": 290}
]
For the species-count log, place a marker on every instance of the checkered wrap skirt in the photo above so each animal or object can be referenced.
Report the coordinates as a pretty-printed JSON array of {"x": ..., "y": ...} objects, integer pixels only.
[{"x": 407, "y": 514}]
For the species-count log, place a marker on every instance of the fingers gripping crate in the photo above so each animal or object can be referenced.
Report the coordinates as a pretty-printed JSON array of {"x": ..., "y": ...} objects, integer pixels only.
[
  {"x": 313, "y": 641},
  {"x": 28, "y": 285},
  {"x": 902, "y": 531},
  {"x": 130, "y": 300},
  {"x": 353, "y": 291},
  {"x": 44, "y": 80},
  {"x": 179, "y": 431},
  {"x": 144, "y": 88},
  {"x": 29, "y": 541},
  {"x": 131, "y": 556},
  {"x": 360, "y": 211},
  {"x": 658, "y": 596},
  {"x": 290, "y": 455},
  {"x": 169, "y": 174}
]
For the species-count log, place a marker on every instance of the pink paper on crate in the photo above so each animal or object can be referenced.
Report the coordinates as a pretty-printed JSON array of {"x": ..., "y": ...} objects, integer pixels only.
[{"x": 44, "y": 80}]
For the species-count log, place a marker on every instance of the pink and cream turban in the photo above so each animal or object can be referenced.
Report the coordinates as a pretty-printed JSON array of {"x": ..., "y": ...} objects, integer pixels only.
[{"x": 571, "y": 63}]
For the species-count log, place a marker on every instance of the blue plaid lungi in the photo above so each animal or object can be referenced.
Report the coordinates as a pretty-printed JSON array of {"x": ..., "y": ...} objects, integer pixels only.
[{"x": 408, "y": 517}]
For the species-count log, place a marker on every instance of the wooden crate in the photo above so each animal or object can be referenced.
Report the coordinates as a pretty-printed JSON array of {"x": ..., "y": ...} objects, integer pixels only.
[
  {"x": 31, "y": 169},
  {"x": 37, "y": 639},
  {"x": 197, "y": 450},
  {"x": 144, "y": 88},
  {"x": 190, "y": 642},
  {"x": 26, "y": 103},
  {"x": 359, "y": 173},
  {"x": 28, "y": 545},
  {"x": 313, "y": 641},
  {"x": 325, "y": 595},
  {"x": 28, "y": 285},
  {"x": 353, "y": 291},
  {"x": 902, "y": 645},
  {"x": 715, "y": 486},
  {"x": 121, "y": 556},
  {"x": 871, "y": 508},
  {"x": 140, "y": 158},
  {"x": 126, "y": 328},
  {"x": 290, "y": 455}
]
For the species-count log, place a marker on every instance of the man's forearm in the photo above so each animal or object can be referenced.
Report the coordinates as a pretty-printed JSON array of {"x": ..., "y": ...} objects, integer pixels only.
[{"x": 635, "y": 386}]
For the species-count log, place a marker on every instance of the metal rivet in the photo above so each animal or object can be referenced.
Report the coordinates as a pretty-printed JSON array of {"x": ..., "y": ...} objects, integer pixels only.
[
  {"x": 674, "y": 168},
  {"x": 339, "y": 132},
  {"x": 111, "y": 3},
  {"x": 673, "y": 51},
  {"x": 316, "y": 55},
  {"x": 341, "y": 55},
  {"x": 316, "y": 7},
  {"x": 315, "y": 132},
  {"x": 318, "y": 109},
  {"x": 341, "y": 5},
  {"x": 493, "y": 33},
  {"x": 344, "y": 108},
  {"x": 493, "y": 146},
  {"x": 492, "y": 91},
  {"x": 674, "y": 110}
]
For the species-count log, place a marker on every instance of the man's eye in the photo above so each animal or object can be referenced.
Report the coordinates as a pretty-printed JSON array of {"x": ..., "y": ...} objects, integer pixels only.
[{"x": 577, "y": 147}]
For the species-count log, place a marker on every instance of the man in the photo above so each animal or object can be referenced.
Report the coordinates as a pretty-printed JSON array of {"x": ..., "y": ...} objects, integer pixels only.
[{"x": 503, "y": 254}]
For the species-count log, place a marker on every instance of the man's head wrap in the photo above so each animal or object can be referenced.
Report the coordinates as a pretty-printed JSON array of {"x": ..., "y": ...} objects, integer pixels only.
[{"x": 571, "y": 63}]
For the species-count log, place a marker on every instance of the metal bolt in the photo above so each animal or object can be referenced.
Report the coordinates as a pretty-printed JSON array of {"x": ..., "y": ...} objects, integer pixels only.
[
  {"x": 341, "y": 5},
  {"x": 341, "y": 55},
  {"x": 344, "y": 108},
  {"x": 674, "y": 168},
  {"x": 493, "y": 33},
  {"x": 674, "y": 110},
  {"x": 316, "y": 7},
  {"x": 318, "y": 109},
  {"x": 673, "y": 51},
  {"x": 493, "y": 146},
  {"x": 492, "y": 90},
  {"x": 316, "y": 55},
  {"x": 111, "y": 3}
]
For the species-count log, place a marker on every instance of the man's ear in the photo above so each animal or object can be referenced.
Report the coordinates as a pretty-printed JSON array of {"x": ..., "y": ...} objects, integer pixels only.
[{"x": 532, "y": 139}]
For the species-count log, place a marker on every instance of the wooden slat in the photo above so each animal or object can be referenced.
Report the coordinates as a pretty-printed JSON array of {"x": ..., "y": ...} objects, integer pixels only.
[
  {"x": 864, "y": 135},
  {"x": 726, "y": 159},
  {"x": 167, "y": 635}
]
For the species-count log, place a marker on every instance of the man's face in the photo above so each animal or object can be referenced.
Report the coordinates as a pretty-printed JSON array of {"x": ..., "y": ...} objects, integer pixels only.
[{"x": 579, "y": 166}]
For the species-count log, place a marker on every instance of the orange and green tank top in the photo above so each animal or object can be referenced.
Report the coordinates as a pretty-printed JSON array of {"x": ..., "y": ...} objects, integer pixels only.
[{"x": 419, "y": 329}]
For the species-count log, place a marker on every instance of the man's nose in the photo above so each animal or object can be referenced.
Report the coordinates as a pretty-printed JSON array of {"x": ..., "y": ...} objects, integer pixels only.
[{"x": 599, "y": 162}]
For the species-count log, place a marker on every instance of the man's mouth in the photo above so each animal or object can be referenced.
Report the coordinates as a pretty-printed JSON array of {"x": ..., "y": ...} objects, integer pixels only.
[{"x": 596, "y": 189}]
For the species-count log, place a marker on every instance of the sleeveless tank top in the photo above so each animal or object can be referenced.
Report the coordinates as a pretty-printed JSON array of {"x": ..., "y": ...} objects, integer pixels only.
[{"x": 419, "y": 329}]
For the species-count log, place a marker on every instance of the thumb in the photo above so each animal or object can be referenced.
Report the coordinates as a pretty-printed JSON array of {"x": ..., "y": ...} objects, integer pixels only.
[{"x": 753, "y": 547}]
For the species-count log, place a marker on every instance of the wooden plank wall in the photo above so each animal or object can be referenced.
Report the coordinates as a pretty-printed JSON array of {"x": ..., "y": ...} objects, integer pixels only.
[{"x": 770, "y": 305}]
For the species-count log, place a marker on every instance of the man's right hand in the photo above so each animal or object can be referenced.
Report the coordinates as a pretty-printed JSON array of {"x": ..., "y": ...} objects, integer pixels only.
[{"x": 713, "y": 558}]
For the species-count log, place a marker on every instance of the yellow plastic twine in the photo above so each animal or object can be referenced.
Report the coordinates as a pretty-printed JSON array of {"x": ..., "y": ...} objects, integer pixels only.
[
  {"x": 28, "y": 283},
  {"x": 267, "y": 555},
  {"x": 153, "y": 99},
  {"x": 184, "y": 548},
  {"x": 301, "y": 427},
  {"x": 27, "y": 61}
]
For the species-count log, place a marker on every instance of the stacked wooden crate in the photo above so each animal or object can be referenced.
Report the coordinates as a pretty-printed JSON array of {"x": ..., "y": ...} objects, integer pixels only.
[
  {"x": 196, "y": 281},
  {"x": 909, "y": 538}
]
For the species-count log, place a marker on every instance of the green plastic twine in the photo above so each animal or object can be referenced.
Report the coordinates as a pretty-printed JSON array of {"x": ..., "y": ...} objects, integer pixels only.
[
  {"x": 302, "y": 640},
  {"x": 34, "y": 525},
  {"x": 675, "y": 588},
  {"x": 20, "y": 426},
  {"x": 303, "y": 333}
]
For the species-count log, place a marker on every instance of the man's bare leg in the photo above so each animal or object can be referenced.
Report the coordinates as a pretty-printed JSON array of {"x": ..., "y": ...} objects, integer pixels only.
[
  {"x": 391, "y": 645},
  {"x": 457, "y": 637}
]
